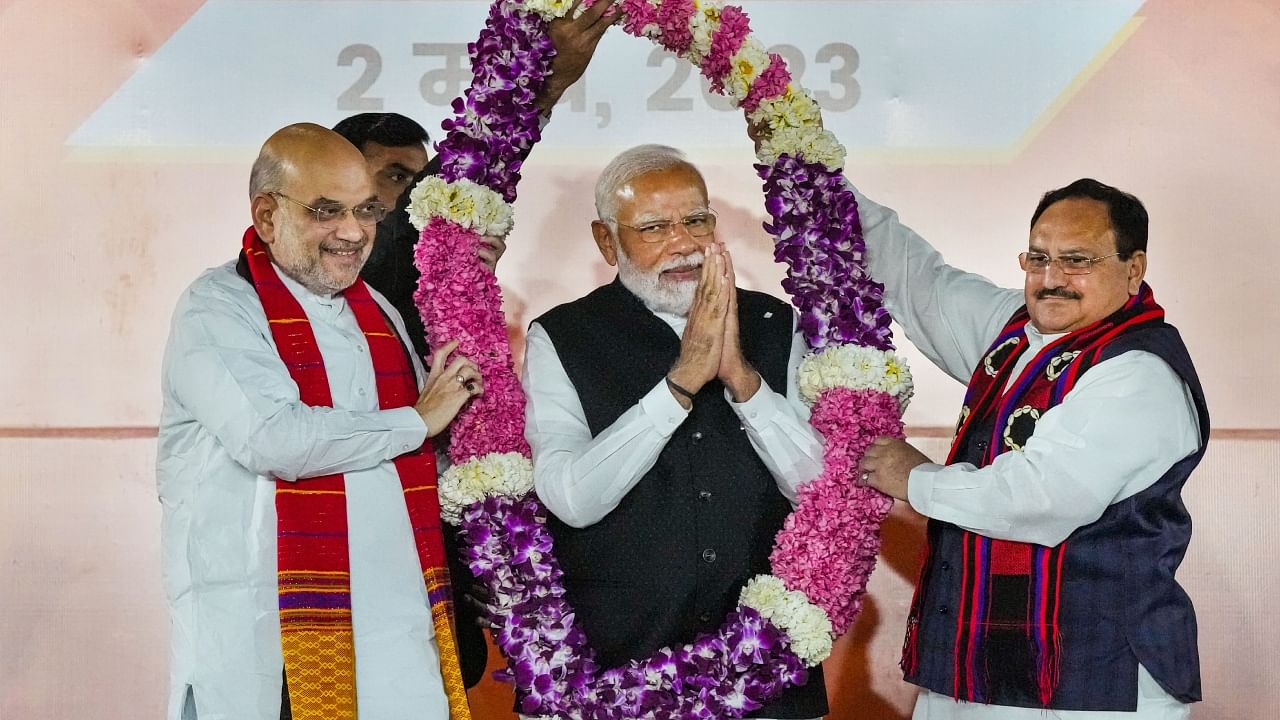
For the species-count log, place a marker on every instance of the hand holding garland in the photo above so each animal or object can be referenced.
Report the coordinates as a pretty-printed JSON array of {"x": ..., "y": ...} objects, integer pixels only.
[
  {"x": 887, "y": 466},
  {"x": 447, "y": 389},
  {"x": 575, "y": 38}
]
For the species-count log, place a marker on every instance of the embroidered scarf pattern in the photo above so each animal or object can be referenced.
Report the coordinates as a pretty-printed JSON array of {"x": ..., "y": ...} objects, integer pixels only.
[
  {"x": 1011, "y": 592},
  {"x": 313, "y": 556}
]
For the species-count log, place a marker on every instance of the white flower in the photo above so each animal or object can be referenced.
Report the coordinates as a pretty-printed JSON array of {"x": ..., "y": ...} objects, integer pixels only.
[
  {"x": 549, "y": 9},
  {"x": 744, "y": 67},
  {"x": 857, "y": 368},
  {"x": 815, "y": 144},
  {"x": 807, "y": 626},
  {"x": 506, "y": 474},
  {"x": 466, "y": 203},
  {"x": 794, "y": 109},
  {"x": 704, "y": 23}
]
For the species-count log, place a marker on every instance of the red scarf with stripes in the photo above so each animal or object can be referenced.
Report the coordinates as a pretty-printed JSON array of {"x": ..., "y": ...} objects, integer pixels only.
[
  {"x": 313, "y": 558},
  {"x": 1011, "y": 591}
]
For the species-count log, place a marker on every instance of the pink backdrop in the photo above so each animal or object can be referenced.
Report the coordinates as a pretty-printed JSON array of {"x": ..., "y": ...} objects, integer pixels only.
[{"x": 1181, "y": 107}]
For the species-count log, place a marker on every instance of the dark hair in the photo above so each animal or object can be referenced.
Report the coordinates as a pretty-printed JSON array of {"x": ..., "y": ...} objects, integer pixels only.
[
  {"x": 1128, "y": 216},
  {"x": 390, "y": 129}
]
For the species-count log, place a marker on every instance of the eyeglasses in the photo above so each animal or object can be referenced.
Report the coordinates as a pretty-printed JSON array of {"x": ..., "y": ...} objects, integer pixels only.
[
  {"x": 328, "y": 216},
  {"x": 1034, "y": 262},
  {"x": 698, "y": 224}
]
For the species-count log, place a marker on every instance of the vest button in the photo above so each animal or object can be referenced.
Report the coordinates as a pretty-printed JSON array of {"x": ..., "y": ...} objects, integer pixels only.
[
  {"x": 705, "y": 617},
  {"x": 697, "y": 435},
  {"x": 945, "y": 565},
  {"x": 704, "y": 495},
  {"x": 708, "y": 555},
  {"x": 942, "y": 610}
]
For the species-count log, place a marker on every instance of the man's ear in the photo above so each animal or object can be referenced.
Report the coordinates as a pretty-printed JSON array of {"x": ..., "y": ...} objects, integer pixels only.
[
  {"x": 1137, "y": 271},
  {"x": 604, "y": 241},
  {"x": 262, "y": 209}
]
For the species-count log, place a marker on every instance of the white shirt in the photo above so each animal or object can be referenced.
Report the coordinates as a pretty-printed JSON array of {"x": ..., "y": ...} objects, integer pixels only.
[
  {"x": 232, "y": 421},
  {"x": 581, "y": 479},
  {"x": 1122, "y": 426}
]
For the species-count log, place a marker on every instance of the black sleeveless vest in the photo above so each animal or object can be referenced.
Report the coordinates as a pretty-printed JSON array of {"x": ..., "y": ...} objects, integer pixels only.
[{"x": 669, "y": 561}]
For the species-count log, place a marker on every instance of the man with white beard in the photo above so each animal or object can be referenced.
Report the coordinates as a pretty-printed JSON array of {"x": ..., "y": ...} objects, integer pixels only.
[{"x": 667, "y": 432}]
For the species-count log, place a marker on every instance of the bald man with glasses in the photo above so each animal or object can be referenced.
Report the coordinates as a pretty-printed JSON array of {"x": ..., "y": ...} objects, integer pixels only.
[{"x": 303, "y": 554}]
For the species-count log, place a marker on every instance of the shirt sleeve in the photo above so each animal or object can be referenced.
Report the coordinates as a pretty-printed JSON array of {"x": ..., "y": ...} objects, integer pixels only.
[
  {"x": 579, "y": 478},
  {"x": 778, "y": 427},
  {"x": 224, "y": 371},
  {"x": 1123, "y": 425},
  {"x": 950, "y": 315}
]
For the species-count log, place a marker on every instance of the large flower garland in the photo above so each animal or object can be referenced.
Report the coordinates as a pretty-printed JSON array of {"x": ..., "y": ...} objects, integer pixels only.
[{"x": 856, "y": 385}]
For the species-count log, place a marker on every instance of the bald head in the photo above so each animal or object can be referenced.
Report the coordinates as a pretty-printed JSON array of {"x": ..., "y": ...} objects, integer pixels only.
[
  {"x": 303, "y": 168},
  {"x": 292, "y": 151}
]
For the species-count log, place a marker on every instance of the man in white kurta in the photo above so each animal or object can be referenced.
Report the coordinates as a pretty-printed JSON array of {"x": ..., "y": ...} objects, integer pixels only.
[
  {"x": 677, "y": 286},
  {"x": 232, "y": 423},
  {"x": 1126, "y": 422}
]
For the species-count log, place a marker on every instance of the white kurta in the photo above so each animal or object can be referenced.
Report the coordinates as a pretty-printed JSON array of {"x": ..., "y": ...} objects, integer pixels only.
[
  {"x": 581, "y": 479},
  {"x": 1125, "y": 423},
  {"x": 231, "y": 422}
]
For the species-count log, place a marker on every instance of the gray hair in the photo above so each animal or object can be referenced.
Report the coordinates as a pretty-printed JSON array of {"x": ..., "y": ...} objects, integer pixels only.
[
  {"x": 267, "y": 174},
  {"x": 629, "y": 165}
]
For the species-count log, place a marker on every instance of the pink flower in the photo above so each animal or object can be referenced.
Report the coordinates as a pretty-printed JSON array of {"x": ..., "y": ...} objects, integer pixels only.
[
  {"x": 769, "y": 84},
  {"x": 459, "y": 299},
  {"x": 734, "y": 28},
  {"x": 833, "y": 512},
  {"x": 673, "y": 24},
  {"x": 639, "y": 14}
]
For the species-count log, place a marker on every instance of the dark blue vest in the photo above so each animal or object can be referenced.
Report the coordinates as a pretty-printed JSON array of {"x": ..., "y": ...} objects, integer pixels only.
[
  {"x": 1120, "y": 605},
  {"x": 667, "y": 564}
]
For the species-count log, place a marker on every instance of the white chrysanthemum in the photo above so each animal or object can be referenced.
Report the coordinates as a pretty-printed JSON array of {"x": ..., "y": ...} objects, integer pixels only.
[
  {"x": 815, "y": 144},
  {"x": 469, "y": 204},
  {"x": 857, "y": 368},
  {"x": 703, "y": 24},
  {"x": 744, "y": 67},
  {"x": 508, "y": 474},
  {"x": 549, "y": 9},
  {"x": 795, "y": 109},
  {"x": 807, "y": 626}
]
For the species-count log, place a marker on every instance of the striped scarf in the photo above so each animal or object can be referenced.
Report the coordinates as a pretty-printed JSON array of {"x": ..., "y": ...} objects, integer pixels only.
[
  {"x": 313, "y": 557},
  {"x": 1011, "y": 591}
]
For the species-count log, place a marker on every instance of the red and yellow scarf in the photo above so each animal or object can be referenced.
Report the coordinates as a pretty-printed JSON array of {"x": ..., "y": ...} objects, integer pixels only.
[{"x": 312, "y": 556}]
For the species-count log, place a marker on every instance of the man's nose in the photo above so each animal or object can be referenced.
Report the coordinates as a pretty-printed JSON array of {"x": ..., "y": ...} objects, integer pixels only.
[
  {"x": 348, "y": 228},
  {"x": 1054, "y": 277},
  {"x": 684, "y": 242}
]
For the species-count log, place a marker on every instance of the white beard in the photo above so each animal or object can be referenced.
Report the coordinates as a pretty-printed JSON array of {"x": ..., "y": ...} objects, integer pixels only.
[{"x": 657, "y": 294}]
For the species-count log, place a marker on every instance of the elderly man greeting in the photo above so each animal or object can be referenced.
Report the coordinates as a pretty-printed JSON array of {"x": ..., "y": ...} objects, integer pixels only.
[
  {"x": 665, "y": 423},
  {"x": 1056, "y": 524},
  {"x": 304, "y": 561}
]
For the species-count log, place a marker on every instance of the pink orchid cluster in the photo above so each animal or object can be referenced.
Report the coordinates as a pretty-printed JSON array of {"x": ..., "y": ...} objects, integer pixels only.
[
  {"x": 827, "y": 547},
  {"x": 459, "y": 299}
]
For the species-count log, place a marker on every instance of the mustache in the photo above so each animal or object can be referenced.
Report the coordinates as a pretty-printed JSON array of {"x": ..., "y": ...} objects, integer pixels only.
[
  {"x": 1057, "y": 293},
  {"x": 693, "y": 259}
]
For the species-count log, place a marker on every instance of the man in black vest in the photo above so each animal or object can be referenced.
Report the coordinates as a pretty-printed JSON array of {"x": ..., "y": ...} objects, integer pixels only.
[
  {"x": 1057, "y": 524},
  {"x": 666, "y": 429}
]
